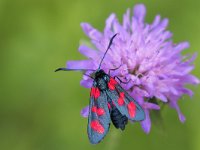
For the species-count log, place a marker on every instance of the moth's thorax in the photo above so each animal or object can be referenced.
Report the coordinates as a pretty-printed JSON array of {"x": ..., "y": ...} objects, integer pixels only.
[{"x": 101, "y": 80}]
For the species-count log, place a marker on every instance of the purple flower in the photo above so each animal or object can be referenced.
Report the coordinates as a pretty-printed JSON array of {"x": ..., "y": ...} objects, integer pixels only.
[{"x": 150, "y": 60}]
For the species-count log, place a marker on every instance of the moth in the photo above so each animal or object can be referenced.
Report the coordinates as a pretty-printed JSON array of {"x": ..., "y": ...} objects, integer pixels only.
[{"x": 108, "y": 102}]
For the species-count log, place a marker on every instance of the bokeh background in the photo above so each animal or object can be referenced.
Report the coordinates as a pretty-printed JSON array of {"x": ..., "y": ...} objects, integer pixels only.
[{"x": 40, "y": 109}]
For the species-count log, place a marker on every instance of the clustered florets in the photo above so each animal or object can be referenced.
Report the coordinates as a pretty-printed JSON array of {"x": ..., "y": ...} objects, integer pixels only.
[{"x": 147, "y": 56}]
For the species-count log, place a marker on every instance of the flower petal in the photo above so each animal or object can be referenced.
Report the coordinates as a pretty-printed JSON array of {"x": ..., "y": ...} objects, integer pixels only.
[
  {"x": 155, "y": 22},
  {"x": 85, "y": 112},
  {"x": 146, "y": 124},
  {"x": 88, "y": 52},
  {"x": 186, "y": 91},
  {"x": 174, "y": 104},
  {"x": 86, "y": 83},
  {"x": 161, "y": 97},
  {"x": 139, "y": 12},
  {"x": 151, "y": 106},
  {"x": 91, "y": 32},
  {"x": 192, "y": 58},
  {"x": 126, "y": 20},
  {"x": 190, "y": 79},
  {"x": 181, "y": 46},
  {"x": 80, "y": 64},
  {"x": 109, "y": 23}
]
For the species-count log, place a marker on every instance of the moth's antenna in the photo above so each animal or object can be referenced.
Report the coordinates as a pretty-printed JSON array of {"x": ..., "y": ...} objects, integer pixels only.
[
  {"x": 110, "y": 43},
  {"x": 65, "y": 69}
]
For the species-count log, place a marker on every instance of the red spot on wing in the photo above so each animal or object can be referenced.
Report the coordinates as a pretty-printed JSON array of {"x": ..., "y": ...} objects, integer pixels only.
[
  {"x": 131, "y": 109},
  {"x": 121, "y": 94},
  {"x": 121, "y": 99},
  {"x": 95, "y": 92},
  {"x": 100, "y": 111},
  {"x": 109, "y": 106},
  {"x": 112, "y": 83},
  {"x": 94, "y": 109},
  {"x": 97, "y": 127}
]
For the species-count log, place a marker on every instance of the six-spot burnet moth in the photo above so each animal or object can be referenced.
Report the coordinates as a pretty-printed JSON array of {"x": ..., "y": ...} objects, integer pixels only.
[{"x": 108, "y": 101}]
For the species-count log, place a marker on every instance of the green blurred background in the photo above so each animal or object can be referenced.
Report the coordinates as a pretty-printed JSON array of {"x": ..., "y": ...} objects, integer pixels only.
[{"x": 40, "y": 109}]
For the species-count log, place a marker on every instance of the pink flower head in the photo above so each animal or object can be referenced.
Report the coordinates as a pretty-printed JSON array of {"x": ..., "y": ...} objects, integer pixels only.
[{"x": 148, "y": 58}]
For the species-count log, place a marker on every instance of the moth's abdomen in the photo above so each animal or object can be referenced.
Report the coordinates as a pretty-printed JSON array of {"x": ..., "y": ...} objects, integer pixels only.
[{"x": 119, "y": 120}]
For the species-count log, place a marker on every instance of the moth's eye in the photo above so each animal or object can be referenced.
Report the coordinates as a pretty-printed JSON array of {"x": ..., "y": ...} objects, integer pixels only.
[{"x": 106, "y": 78}]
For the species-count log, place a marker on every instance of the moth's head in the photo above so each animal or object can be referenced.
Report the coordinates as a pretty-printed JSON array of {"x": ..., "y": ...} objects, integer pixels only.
[
  {"x": 101, "y": 79},
  {"x": 99, "y": 73}
]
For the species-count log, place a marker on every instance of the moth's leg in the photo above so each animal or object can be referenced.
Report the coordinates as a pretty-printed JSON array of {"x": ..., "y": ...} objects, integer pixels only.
[
  {"x": 121, "y": 80},
  {"x": 114, "y": 68},
  {"x": 88, "y": 76}
]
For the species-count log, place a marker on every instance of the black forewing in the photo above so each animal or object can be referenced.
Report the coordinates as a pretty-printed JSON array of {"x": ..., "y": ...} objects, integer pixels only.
[
  {"x": 104, "y": 120},
  {"x": 114, "y": 96}
]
